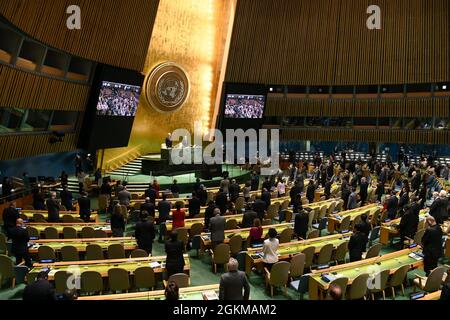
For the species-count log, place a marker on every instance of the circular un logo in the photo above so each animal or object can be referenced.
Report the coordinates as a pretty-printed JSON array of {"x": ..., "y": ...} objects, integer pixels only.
[{"x": 167, "y": 87}]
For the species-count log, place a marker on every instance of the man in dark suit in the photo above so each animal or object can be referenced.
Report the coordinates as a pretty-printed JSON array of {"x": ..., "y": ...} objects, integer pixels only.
[
  {"x": 439, "y": 207},
  {"x": 301, "y": 223},
  {"x": 10, "y": 216},
  {"x": 222, "y": 201},
  {"x": 266, "y": 184},
  {"x": 66, "y": 199},
  {"x": 234, "y": 190},
  {"x": 19, "y": 246},
  {"x": 266, "y": 197},
  {"x": 217, "y": 228},
  {"x": 53, "y": 208},
  {"x": 352, "y": 200},
  {"x": 145, "y": 233},
  {"x": 310, "y": 191},
  {"x": 295, "y": 190},
  {"x": 174, "y": 255},
  {"x": 254, "y": 181},
  {"x": 432, "y": 245},
  {"x": 85, "y": 207},
  {"x": 392, "y": 205},
  {"x": 202, "y": 194},
  {"x": 248, "y": 217},
  {"x": 151, "y": 193},
  {"x": 164, "y": 208},
  {"x": 357, "y": 244},
  {"x": 363, "y": 190},
  {"x": 409, "y": 222},
  {"x": 233, "y": 283},
  {"x": 149, "y": 207},
  {"x": 40, "y": 290},
  {"x": 364, "y": 225},
  {"x": 259, "y": 206},
  {"x": 194, "y": 206},
  {"x": 416, "y": 180},
  {"x": 345, "y": 194}
]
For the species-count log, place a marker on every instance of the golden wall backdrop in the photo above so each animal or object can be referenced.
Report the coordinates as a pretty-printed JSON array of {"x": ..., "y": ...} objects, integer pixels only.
[{"x": 191, "y": 33}]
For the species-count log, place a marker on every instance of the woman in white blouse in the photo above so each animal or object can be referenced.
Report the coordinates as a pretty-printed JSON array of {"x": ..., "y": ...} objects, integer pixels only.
[
  {"x": 281, "y": 187},
  {"x": 270, "y": 249}
]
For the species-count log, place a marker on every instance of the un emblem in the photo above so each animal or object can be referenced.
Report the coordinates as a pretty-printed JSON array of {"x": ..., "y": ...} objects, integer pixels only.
[{"x": 167, "y": 87}]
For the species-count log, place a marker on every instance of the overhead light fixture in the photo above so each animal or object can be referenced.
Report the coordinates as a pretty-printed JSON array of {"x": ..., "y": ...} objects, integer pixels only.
[
  {"x": 444, "y": 87},
  {"x": 271, "y": 89}
]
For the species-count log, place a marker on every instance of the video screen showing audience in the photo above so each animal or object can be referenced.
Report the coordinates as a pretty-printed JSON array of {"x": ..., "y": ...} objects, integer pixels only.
[
  {"x": 244, "y": 106},
  {"x": 118, "y": 99}
]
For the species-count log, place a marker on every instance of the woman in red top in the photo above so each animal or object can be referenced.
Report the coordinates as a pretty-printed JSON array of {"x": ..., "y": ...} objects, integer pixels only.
[
  {"x": 178, "y": 216},
  {"x": 256, "y": 232}
]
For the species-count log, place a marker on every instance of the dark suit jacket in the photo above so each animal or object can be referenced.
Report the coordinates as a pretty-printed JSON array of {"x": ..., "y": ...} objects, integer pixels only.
[
  {"x": 363, "y": 187},
  {"x": 85, "y": 205},
  {"x": 194, "y": 207},
  {"x": 408, "y": 223},
  {"x": 266, "y": 197},
  {"x": 164, "y": 208},
  {"x": 432, "y": 242},
  {"x": 149, "y": 207},
  {"x": 53, "y": 210},
  {"x": 439, "y": 209},
  {"x": 174, "y": 252},
  {"x": 310, "y": 191},
  {"x": 222, "y": 201},
  {"x": 392, "y": 205},
  {"x": 248, "y": 218},
  {"x": 301, "y": 224},
  {"x": 357, "y": 245},
  {"x": 415, "y": 182},
  {"x": 259, "y": 206},
  {"x": 117, "y": 221},
  {"x": 217, "y": 228},
  {"x": 209, "y": 213},
  {"x": 231, "y": 285},
  {"x": 234, "y": 190},
  {"x": 41, "y": 290},
  {"x": 203, "y": 196},
  {"x": 152, "y": 194},
  {"x": 144, "y": 233},
  {"x": 20, "y": 238},
  {"x": 66, "y": 199},
  {"x": 10, "y": 216},
  {"x": 365, "y": 228}
]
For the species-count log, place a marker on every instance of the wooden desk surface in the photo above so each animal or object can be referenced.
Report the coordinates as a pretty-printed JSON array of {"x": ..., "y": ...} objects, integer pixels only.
[
  {"x": 391, "y": 261},
  {"x": 432, "y": 296},
  {"x": 102, "y": 266},
  {"x": 190, "y": 293},
  {"x": 77, "y": 226},
  {"x": 129, "y": 243}
]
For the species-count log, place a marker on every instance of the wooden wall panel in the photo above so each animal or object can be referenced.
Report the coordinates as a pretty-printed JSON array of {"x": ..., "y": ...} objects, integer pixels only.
[
  {"x": 115, "y": 32},
  {"x": 30, "y": 91},
  {"x": 368, "y": 135},
  {"x": 24, "y": 145},
  {"x": 323, "y": 42},
  {"x": 398, "y": 108}
]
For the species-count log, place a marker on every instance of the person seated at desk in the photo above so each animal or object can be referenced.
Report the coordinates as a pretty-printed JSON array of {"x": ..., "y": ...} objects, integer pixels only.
[
  {"x": 174, "y": 255},
  {"x": 256, "y": 233},
  {"x": 270, "y": 249},
  {"x": 178, "y": 216},
  {"x": 357, "y": 244},
  {"x": 334, "y": 292},
  {"x": 234, "y": 284},
  {"x": 145, "y": 232},
  {"x": 19, "y": 247},
  {"x": 40, "y": 290},
  {"x": 117, "y": 221},
  {"x": 149, "y": 207},
  {"x": 172, "y": 292}
]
